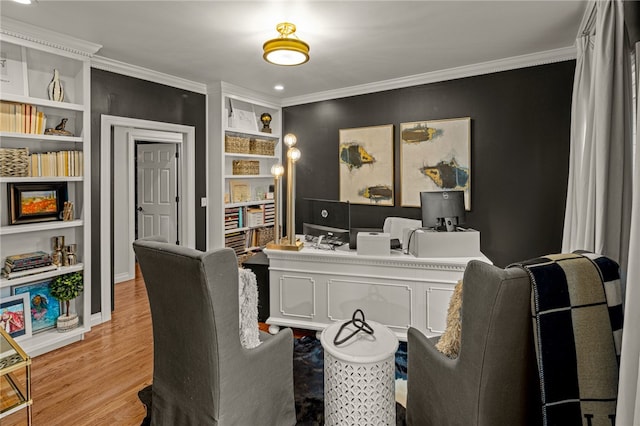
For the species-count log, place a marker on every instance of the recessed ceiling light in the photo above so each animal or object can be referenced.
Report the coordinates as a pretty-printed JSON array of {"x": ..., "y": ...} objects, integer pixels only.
[
  {"x": 23, "y": 1},
  {"x": 278, "y": 87}
]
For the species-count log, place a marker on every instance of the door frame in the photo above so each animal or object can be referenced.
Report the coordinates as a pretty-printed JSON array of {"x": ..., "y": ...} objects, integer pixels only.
[
  {"x": 187, "y": 185},
  {"x": 144, "y": 135}
]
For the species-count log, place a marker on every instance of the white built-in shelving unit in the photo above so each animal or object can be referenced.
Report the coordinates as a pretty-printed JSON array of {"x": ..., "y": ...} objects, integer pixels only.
[
  {"x": 224, "y": 98},
  {"x": 37, "y": 55}
]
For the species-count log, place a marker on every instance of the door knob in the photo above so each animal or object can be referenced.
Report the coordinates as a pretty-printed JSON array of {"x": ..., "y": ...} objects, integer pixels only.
[{"x": 139, "y": 208}]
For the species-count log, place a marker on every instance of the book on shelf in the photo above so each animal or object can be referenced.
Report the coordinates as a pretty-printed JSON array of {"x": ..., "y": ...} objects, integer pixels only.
[
  {"x": 25, "y": 257},
  {"x": 21, "y": 118},
  {"x": 10, "y": 267},
  {"x": 10, "y": 275}
]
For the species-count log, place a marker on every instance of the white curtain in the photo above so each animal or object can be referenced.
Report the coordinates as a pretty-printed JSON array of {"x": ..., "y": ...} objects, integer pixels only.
[
  {"x": 598, "y": 210},
  {"x": 628, "y": 410}
]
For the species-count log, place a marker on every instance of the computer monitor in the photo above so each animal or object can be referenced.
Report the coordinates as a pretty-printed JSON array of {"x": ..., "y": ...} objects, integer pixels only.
[
  {"x": 327, "y": 218},
  {"x": 442, "y": 210}
]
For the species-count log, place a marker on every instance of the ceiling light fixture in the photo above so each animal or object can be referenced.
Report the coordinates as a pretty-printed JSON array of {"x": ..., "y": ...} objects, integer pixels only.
[
  {"x": 23, "y": 1},
  {"x": 287, "y": 49}
]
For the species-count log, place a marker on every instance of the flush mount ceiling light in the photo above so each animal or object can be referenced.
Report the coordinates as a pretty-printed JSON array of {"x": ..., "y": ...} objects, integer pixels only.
[{"x": 287, "y": 49}]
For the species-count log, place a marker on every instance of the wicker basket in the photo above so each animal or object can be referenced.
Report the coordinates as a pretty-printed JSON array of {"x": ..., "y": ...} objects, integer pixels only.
[
  {"x": 246, "y": 167},
  {"x": 236, "y": 143},
  {"x": 264, "y": 236},
  {"x": 14, "y": 162},
  {"x": 262, "y": 146}
]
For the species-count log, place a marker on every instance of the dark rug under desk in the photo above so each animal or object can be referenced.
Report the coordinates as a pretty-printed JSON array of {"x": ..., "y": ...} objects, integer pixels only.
[{"x": 308, "y": 378}]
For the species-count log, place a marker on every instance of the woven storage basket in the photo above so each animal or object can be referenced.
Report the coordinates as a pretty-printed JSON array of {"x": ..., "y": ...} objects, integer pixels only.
[
  {"x": 262, "y": 146},
  {"x": 14, "y": 162},
  {"x": 264, "y": 236},
  {"x": 246, "y": 167},
  {"x": 236, "y": 143}
]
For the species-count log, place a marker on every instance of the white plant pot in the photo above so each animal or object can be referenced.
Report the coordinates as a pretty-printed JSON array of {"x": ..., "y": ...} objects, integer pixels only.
[{"x": 67, "y": 323}]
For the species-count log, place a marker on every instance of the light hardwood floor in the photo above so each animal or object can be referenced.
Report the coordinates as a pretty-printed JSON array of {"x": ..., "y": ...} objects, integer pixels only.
[{"x": 96, "y": 381}]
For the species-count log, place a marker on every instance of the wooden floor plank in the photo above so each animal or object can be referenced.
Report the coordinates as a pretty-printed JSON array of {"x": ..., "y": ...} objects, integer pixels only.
[{"x": 96, "y": 381}]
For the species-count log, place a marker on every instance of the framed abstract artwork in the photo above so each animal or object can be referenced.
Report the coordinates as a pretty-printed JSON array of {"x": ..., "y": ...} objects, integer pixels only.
[
  {"x": 435, "y": 155},
  {"x": 45, "y": 309},
  {"x": 14, "y": 316},
  {"x": 366, "y": 165}
]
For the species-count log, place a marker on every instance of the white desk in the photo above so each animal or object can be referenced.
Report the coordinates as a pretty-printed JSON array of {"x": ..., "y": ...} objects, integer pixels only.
[{"x": 314, "y": 288}]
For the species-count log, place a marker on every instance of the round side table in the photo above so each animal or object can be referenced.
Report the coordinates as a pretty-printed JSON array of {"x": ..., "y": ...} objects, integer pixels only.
[{"x": 359, "y": 376}]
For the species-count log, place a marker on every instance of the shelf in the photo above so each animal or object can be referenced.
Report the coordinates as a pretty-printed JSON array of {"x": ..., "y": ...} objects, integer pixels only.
[
  {"x": 248, "y": 176},
  {"x": 43, "y": 138},
  {"x": 41, "y": 179},
  {"x": 43, "y": 226},
  {"x": 237, "y": 154},
  {"x": 42, "y": 102},
  {"x": 246, "y": 228},
  {"x": 248, "y": 203},
  {"x": 253, "y": 133},
  {"x": 41, "y": 276}
]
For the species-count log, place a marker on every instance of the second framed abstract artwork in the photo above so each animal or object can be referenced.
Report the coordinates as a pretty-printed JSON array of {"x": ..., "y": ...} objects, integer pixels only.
[
  {"x": 435, "y": 155},
  {"x": 366, "y": 165}
]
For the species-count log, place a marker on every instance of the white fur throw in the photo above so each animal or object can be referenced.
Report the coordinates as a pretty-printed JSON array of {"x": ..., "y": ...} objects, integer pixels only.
[
  {"x": 248, "y": 292},
  {"x": 449, "y": 342}
]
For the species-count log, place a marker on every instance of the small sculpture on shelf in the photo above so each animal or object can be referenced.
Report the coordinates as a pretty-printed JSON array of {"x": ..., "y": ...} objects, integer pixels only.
[
  {"x": 67, "y": 211},
  {"x": 55, "y": 89},
  {"x": 58, "y": 246},
  {"x": 66, "y": 288},
  {"x": 59, "y": 129},
  {"x": 266, "y": 120}
]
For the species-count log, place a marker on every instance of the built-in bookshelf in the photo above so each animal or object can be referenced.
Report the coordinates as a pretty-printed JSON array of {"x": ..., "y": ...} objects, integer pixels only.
[
  {"x": 45, "y": 147},
  {"x": 242, "y": 209}
]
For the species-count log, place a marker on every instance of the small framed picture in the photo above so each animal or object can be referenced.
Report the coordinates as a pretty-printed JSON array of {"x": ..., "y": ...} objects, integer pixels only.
[
  {"x": 36, "y": 202},
  {"x": 13, "y": 70},
  {"x": 240, "y": 191},
  {"x": 14, "y": 316},
  {"x": 45, "y": 309}
]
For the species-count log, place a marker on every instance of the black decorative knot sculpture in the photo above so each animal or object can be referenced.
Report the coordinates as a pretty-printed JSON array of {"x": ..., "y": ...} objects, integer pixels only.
[{"x": 360, "y": 325}]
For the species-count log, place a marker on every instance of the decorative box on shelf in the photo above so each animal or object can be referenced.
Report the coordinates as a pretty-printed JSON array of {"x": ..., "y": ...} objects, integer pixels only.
[
  {"x": 262, "y": 146},
  {"x": 246, "y": 167},
  {"x": 236, "y": 144}
]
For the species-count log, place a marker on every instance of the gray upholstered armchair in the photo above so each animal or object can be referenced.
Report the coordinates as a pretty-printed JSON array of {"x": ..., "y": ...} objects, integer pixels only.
[
  {"x": 494, "y": 379},
  {"x": 201, "y": 374}
]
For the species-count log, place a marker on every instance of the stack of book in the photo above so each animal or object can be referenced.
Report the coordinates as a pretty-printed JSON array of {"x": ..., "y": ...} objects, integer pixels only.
[
  {"x": 19, "y": 265},
  {"x": 237, "y": 241},
  {"x": 269, "y": 213},
  {"x": 232, "y": 218}
]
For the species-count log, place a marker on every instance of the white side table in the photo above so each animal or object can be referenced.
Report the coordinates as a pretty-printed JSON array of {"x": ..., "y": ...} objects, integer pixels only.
[{"x": 359, "y": 376}]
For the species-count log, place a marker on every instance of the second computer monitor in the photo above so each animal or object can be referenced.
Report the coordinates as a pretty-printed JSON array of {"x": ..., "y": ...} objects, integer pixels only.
[{"x": 442, "y": 210}]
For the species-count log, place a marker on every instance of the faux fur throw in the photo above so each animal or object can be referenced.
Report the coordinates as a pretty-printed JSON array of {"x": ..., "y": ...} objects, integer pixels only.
[
  {"x": 449, "y": 342},
  {"x": 248, "y": 293},
  {"x": 577, "y": 314}
]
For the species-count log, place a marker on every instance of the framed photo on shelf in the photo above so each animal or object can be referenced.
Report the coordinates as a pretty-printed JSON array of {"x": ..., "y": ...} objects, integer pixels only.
[
  {"x": 36, "y": 202},
  {"x": 435, "y": 155},
  {"x": 240, "y": 191},
  {"x": 14, "y": 316},
  {"x": 242, "y": 116},
  {"x": 13, "y": 71},
  {"x": 45, "y": 309},
  {"x": 366, "y": 165}
]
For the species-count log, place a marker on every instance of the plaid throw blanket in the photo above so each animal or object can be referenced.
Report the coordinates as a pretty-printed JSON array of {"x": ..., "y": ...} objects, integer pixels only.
[{"x": 576, "y": 308}]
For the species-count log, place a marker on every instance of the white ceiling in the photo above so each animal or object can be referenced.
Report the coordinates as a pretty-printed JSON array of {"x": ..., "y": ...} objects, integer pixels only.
[{"x": 352, "y": 42}]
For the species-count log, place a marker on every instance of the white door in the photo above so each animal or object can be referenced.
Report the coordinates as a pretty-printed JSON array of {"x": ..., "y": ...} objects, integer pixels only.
[{"x": 156, "y": 195}]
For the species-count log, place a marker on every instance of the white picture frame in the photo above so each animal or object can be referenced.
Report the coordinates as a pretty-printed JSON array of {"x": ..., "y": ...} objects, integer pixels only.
[
  {"x": 15, "y": 308},
  {"x": 13, "y": 72},
  {"x": 242, "y": 116}
]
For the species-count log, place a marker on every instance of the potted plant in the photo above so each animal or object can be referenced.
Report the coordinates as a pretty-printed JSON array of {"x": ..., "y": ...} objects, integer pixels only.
[{"x": 66, "y": 288}]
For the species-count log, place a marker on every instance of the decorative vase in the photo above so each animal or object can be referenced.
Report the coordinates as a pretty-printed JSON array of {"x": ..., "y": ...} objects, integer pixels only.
[
  {"x": 67, "y": 323},
  {"x": 55, "y": 89}
]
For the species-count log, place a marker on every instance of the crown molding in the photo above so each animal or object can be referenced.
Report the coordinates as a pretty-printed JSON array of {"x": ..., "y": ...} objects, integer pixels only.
[
  {"x": 38, "y": 37},
  {"x": 523, "y": 61},
  {"x": 111, "y": 65},
  {"x": 249, "y": 95}
]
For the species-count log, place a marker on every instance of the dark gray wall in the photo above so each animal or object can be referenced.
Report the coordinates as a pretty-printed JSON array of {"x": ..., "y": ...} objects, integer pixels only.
[
  {"x": 123, "y": 96},
  {"x": 520, "y": 123}
]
